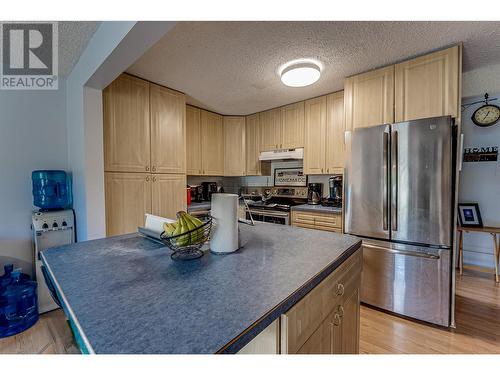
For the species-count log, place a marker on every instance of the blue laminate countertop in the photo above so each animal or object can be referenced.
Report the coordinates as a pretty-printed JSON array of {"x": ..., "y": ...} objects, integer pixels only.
[
  {"x": 317, "y": 208},
  {"x": 199, "y": 206},
  {"x": 125, "y": 294}
]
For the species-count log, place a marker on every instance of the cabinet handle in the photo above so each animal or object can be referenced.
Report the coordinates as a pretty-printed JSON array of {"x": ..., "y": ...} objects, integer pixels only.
[
  {"x": 153, "y": 168},
  {"x": 154, "y": 178},
  {"x": 147, "y": 168},
  {"x": 336, "y": 320},
  {"x": 340, "y": 311},
  {"x": 147, "y": 178},
  {"x": 340, "y": 290}
]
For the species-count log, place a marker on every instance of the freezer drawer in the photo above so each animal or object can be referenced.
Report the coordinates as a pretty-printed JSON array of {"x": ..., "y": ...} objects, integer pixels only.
[{"x": 408, "y": 280}]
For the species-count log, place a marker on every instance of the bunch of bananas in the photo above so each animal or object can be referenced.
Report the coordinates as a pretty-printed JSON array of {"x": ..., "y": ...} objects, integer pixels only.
[{"x": 185, "y": 223}]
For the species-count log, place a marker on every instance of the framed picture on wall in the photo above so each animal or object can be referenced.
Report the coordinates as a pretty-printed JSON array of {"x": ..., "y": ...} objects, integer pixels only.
[{"x": 469, "y": 215}]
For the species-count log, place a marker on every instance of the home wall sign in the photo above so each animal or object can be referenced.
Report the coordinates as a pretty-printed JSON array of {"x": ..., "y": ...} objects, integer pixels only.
[{"x": 473, "y": 154}]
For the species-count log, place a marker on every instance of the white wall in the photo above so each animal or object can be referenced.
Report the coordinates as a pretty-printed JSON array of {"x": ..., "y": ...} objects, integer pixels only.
[
  {"x": 32, "y": 136},
  {"x": 480, "y": 181}
]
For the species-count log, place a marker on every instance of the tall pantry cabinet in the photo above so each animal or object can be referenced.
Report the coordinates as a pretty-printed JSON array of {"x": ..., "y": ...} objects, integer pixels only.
[{"x": 144, "y": 152}]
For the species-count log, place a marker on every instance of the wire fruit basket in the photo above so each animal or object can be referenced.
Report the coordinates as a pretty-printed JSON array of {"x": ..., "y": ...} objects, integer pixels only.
[{"x": 186, "y": 246}]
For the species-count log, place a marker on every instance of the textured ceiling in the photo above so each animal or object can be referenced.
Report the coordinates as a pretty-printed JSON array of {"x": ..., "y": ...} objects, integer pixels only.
[
  {"x": 231, "y": 67},
  {"x": 73, "y": 38}
]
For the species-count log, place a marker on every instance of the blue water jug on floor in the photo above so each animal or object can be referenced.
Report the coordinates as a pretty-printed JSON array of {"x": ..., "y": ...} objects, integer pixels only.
[
  {"x": 18, "y": 302},
  {"x": 51, "y": 190}
]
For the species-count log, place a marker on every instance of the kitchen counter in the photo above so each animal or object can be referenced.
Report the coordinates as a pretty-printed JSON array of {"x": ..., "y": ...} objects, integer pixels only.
[
  {"x": 317, "y": 208},
  {"x": 124, "y": 294},
  {"x": 199, "y": 206}
]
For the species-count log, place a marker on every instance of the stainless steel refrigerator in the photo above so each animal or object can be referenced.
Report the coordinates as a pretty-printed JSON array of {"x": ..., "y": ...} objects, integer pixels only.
[{"x": 399, "y": 196}]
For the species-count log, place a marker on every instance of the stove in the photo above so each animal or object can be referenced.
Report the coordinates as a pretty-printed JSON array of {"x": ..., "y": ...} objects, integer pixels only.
[{"x": 273, "y": 204}]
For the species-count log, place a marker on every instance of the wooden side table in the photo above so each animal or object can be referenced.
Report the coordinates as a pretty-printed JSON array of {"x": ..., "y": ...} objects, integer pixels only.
[{"x": 496, "y": 246}]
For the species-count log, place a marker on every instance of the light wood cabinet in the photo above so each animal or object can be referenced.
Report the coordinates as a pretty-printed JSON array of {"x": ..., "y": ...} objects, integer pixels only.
[
  {"x": 126, "y": 125},
  {"x": 331, "y": 222},
  {"x": 292, "y": 128},
  {"x": 234, "y": 146},
  {"x": 168, "y": 130},
  {"x": 315, "y": 132},
  {"x": 369, "y": 98},
  {"x": 145, "y": 152},
  {"x": 252, "y": 145},
  {"x": 335, "y": 133},
  {"x": 428, "y": 86},
  {"x": 212, "y": 144},
  {"x": 128, "y": 199},
  {"x": 282, "y": 127},
  {"x": 168, "y": 194},
  {"x": 193, "y": 141},
  {"x": 326, "y": 320},
  {"x": 324, "y": 134},
  {"x": 270, "y": 129}
]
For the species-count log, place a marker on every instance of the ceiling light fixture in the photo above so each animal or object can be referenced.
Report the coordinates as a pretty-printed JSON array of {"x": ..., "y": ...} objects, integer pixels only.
[{"x": 300, "y": 73}]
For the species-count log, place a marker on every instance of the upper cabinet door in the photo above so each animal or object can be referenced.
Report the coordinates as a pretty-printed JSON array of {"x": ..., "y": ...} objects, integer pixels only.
[
  {"x": 128, "y": 199},
  {"x": 369, "y": 98},
  {"x": 168, "y": 194},
  {"x": 234, "y": 146},
  {"x": 126, "y": 125},
  {"x": 270, "y": 125},
  {"x": 293, "y": 125},
  {"x": 315, "y": 131},
  {"x": 193, "y": 141},
  {"x": 335, "y": 132},
  {"x": 252, "y": 142},
  {"x": 428, "y": 86},
  {"x": 168, "y": 130},
  {"x": 212, "y": 144}
]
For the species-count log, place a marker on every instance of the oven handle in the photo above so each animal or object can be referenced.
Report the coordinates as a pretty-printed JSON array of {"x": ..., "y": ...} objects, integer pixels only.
[{"x": 270, "y": 214}]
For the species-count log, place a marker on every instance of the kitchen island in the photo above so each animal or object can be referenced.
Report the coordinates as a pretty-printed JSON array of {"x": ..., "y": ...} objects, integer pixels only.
[{"x": 124, "y": 294}]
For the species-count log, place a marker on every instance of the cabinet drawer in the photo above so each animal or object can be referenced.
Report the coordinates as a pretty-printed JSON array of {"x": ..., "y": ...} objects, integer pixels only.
[
  {"x": 302, "y": 320},
  {"x": 322, "y": 221},
  {"x": 301, "y": 217}
]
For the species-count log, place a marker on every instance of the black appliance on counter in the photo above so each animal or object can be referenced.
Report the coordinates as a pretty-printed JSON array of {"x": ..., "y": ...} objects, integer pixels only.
[
  {"x": 208, "y": 189},
  {"x": 315, "y": 193},
  {"x": 196, "y": 193},
  {"x": 335, "y": 188}
]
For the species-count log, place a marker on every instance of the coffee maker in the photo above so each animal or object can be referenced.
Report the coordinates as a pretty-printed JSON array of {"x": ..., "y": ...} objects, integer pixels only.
[
  {"x": 315, "y": 193},
  {"x": 209, "y": 188},
  {"x": 335, "y": 187},
  {"x": 196, "y": 193}
]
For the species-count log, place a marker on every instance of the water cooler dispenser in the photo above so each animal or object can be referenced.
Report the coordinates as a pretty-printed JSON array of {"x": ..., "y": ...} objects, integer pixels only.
[{"x": 52, "y": 226}]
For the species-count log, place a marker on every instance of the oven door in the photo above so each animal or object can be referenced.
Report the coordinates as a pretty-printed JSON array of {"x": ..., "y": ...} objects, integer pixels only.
[{"x": 275, "y": 217}]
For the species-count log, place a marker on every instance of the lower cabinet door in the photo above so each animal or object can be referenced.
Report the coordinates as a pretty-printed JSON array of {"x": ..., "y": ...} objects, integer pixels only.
[
  {"x": 349, "y": 312},
  {"x": 168, "y": 194},
  {"x": 128, "y": 199},
  {"x": 322, "y": 341}
]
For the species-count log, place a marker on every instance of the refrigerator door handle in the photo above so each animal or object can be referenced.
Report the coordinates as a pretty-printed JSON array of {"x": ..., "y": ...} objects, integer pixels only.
[
  {"x": 386, "y": 180},
  {"x": 403, "y": 252},
  {"x": 394, "y": 196}
]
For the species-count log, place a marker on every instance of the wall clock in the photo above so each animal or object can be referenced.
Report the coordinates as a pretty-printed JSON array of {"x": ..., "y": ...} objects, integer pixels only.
[{"x": 487, "y": 114}]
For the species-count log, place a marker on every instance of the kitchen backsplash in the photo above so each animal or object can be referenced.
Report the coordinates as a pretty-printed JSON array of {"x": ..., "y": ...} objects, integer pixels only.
[{"x": 232, "y": 184}]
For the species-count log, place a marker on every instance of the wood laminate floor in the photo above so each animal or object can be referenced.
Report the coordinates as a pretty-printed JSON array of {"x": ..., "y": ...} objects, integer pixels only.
[
  {"x": 477, "y": 318},
  {"x": 477, "y": 321},
  {"x": 50, "y": 335}
]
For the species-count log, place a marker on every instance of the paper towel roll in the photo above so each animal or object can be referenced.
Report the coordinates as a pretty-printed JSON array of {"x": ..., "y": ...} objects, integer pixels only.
[{"x": 224, "y": 237}]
